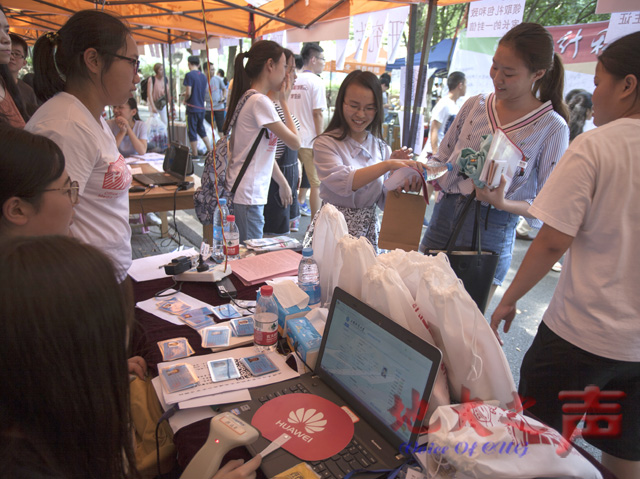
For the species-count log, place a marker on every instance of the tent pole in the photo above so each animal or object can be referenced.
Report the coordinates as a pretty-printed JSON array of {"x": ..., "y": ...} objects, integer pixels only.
[
  {"x": 424, "y": 60},
  {"x": 408, "y": 83},
  {"x": 171, "y": 118}
]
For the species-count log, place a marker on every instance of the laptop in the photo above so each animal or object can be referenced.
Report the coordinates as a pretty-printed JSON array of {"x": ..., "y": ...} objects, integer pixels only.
[
  {"x": 366, "y": 362},
  {"x": 177, "y": 166}
]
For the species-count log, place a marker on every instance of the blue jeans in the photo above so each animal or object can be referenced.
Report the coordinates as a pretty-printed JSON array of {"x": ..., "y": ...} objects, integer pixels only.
[
  {"x": 249, "y": 220},
  {"x": 499, "y": 236}
]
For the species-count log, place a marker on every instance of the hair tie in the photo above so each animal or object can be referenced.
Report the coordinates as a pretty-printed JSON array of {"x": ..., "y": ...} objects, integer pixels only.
[{"x": 52, "y": 36}]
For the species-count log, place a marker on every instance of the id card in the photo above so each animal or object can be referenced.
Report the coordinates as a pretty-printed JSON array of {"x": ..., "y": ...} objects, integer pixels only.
[
  {"x": 242, "y": 326},
  {"x": 198, "y": 318},
  {"x": 223, "y": 370},
  {"x": 174, "y": 306},
  {"x": 176, "y": 348},
  {"x": 259, "y": 364},
  {"x": 215, "y": 336},
  {"x": 226, "y": 311},
  {"x": 178, "y": 377}
]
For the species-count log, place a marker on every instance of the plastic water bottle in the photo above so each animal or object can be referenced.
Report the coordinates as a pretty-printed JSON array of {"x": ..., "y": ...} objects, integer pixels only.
[
  {"x": 265, "y": 321},
  {"x": 309, "y": 277},
  {"x": 232, "y": 235},
  {"x": 434, "y": 169},
  {"x": 218, "y": 225}
]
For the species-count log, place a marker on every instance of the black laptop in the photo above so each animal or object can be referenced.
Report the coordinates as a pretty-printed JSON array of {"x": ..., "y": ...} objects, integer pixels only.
[
  {"x": 177, "y": 166},
  {"x": 369, "y": 364}
]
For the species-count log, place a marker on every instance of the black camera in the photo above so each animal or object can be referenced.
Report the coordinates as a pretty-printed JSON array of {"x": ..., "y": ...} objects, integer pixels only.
[{"x": 178, "y": 265}]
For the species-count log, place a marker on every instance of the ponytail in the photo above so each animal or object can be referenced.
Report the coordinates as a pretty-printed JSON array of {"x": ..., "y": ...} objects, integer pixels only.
[
  {"x": 59, "y": 57},
  {"x": 551, "y": 87},
  {"x": 241, "y": 83},
  {"x": 257, "y": 57},
  {"x": 46, "y": 79},
  {"x": 534, "y": 45}
]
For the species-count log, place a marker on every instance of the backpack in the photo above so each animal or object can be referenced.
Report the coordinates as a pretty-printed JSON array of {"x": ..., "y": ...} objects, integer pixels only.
[
  {"x": 144, "y": 85},
  {"x": 214, "y": 175}
]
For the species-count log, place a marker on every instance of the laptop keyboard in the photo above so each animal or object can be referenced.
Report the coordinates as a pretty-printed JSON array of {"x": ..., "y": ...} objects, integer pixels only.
[{"x": 354, "y": 456}]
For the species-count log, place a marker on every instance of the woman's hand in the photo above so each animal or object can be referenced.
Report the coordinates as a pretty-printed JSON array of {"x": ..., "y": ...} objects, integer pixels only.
[
  {"x": 403, "y": 153},
  {"x": 138, "y": 366},
  {"x": 286, "y": 196},
  {"x": 122, "y": 123},
  {"x": 504, "y": 312},
  {"x": 285, "y": 89},
  {"x": 238, "y": 469},
  {"x": 494, "y": 196}
]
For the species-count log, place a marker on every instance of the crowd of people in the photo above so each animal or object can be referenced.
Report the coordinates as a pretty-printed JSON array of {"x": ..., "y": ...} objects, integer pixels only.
[{"x": 66, "y": 296}]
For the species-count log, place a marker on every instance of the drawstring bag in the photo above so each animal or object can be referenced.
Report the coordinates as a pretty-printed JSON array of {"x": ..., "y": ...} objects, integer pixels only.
[
  {"x": 330, "y": 227},
  {"x": 355, "y": 255},
  {"x": 383, "y": 290}
]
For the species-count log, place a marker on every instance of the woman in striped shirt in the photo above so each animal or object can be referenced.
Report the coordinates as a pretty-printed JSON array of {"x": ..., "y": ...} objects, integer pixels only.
[{"x": 527, "y": 104}]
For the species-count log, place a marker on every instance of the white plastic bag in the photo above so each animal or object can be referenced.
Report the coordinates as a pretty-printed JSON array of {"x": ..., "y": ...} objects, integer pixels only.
[
  {"x": 355, "y": 256},
  {"x": 477, "y": 368},
  {"x": 383, "y": 290},
  {"x": 158, "y": 138},
  {"x": 330, "y": 227},
  {"x": 478, "y": 440}
]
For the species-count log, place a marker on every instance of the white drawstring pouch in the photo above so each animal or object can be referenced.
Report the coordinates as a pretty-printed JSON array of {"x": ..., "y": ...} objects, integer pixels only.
[
  {"x": 383, "y": 290},
  {"x": 481, "y": 441},
  {"x": 330, "y": 227},
  {"x": 477, "y": 368},
  {"x": 355, "y": 256}
]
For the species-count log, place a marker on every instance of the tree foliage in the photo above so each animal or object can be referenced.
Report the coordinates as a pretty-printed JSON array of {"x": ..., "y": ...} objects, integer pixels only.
[{"x": 545, "y": 12}]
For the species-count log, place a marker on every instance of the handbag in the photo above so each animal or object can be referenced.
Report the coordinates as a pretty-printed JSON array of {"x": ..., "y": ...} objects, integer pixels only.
[
  {"x": 475, "y": 267},
  {"x": 161, "y": 102}
]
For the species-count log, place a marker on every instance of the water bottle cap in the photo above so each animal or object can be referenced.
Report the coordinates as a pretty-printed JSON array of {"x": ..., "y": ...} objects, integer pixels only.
[
  {"x": 306, "y": 252},
  {"x": 266, "y": 290},
  {"x": 222, "y": 201},
  {"x": 231, "y": 218}
]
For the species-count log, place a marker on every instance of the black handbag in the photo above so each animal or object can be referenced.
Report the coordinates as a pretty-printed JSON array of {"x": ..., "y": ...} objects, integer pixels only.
[{"x": 475, "y": 267}]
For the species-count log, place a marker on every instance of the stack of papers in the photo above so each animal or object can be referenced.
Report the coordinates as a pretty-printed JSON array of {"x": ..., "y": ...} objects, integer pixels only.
[
  {"x": 260, "y": 268},
  {"x": 273, "y": 244}
]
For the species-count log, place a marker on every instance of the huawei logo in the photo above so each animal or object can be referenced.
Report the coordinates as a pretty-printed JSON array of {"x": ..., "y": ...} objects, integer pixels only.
[{"x": 309, "y": 419}]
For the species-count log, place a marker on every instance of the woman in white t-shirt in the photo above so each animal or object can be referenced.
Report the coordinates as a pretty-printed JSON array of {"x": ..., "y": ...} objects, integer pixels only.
[
  {"x": 90, "y": 63},
  {"x": 130, "y": 131},
  {"x": 265, "y": 70},
  {"x": 590, "y": 334}
]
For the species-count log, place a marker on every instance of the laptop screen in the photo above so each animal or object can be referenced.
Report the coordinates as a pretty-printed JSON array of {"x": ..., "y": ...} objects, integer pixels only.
[
  {"x": 384, "y": 369},
  {"x": 176, "y": 161}
]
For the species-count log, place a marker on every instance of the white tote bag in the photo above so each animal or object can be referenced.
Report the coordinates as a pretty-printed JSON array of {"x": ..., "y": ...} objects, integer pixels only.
[
  {"x": 330, "y": 227},
  {"x": 355, "y": 256}
]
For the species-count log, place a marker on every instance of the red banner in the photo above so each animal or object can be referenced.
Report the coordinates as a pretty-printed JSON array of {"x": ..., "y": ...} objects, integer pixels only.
[{"x": 579, "y": 43}]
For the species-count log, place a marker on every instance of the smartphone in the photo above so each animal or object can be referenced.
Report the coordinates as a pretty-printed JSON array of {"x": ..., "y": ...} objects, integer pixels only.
[{"x": 226, "y": 289}]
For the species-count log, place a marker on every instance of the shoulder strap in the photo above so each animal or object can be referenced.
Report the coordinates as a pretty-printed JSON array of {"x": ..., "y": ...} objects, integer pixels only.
[{"x": 245, "y": 165}]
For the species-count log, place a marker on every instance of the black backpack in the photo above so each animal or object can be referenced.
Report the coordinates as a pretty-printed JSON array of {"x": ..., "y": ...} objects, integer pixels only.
[{"x": 144, "y": 84}]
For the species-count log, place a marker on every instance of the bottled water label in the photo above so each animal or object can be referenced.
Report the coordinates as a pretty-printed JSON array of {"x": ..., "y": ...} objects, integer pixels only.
[
  {"x": 313, "y": 290},
  {"x": 232, "y": 248},
  {"x": 265, "y": 329}
]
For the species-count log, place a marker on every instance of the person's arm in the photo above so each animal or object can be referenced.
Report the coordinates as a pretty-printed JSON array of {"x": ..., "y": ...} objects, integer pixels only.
[
  {"x": 547, "y": 248},
  {"x": 318, "y": 120},
  {"x": 286, "y": 195},
  {"x": 150, "y": 103},
  {"x": 121, "y": 123},
  {"x": 187, "y": 94},
  {"x": 433, "y": 134},
  {"x": 138, "y": 144},
  {"x": 238, "y": 469}
]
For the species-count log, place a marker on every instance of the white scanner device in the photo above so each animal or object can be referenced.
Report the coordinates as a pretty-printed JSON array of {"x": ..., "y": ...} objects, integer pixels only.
[{"x": 226, "y": 431}]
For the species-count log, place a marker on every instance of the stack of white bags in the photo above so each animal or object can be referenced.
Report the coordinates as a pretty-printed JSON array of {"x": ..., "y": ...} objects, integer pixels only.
[{"x": 423, "y": 295}]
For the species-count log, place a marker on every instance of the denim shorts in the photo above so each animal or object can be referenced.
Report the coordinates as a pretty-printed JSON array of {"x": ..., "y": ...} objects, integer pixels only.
[
  {"x": 499, "y": 236},
  {"x": 249, "y": 220}
]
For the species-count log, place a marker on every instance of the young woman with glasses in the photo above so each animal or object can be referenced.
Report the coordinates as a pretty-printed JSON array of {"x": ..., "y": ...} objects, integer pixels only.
[
  {"x": 36, "y": 193},
  {"x": 352, "y": 159},
  {"x": 90, "y": 63}
]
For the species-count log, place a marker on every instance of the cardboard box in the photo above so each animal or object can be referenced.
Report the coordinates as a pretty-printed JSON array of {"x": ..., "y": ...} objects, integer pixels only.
[
  {"x": 303, "y": 337},
  {"x": 285, "y": 314}
]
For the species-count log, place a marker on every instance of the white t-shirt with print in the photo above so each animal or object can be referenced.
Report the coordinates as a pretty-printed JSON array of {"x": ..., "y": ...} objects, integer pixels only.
[
  {"x": 307, "y": 94},
  {"x": 254, "y": 186},
  {"x": 444, "y": 109},
  {"x": 93, "y": 160}
]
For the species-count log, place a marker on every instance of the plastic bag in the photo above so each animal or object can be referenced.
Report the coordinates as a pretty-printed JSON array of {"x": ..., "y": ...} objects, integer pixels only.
[
  {"x": 158, "y": 138},
  {"x": 330, "y": 227},
  {"x": 355, "y": 256},
  {"x": 383, "y": 290},
  {"x": 479, "y": 440},
  {"x": 476, "y": 365}
]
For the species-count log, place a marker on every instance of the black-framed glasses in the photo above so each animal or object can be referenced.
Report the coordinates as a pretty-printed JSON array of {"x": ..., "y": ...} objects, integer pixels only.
[
  {"x": 134, "y": 61},
  {"x": 72, "y": 190},
  {"x": 17, "y": 55}
]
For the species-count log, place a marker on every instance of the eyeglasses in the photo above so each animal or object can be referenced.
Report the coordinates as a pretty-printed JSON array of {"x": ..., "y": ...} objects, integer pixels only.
[
  {"x": 366, "y": 109},
  {"x": 17, "y": 55},
  {"x": 134, "y": 61},
  {"x": 72, "y": 190}
]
